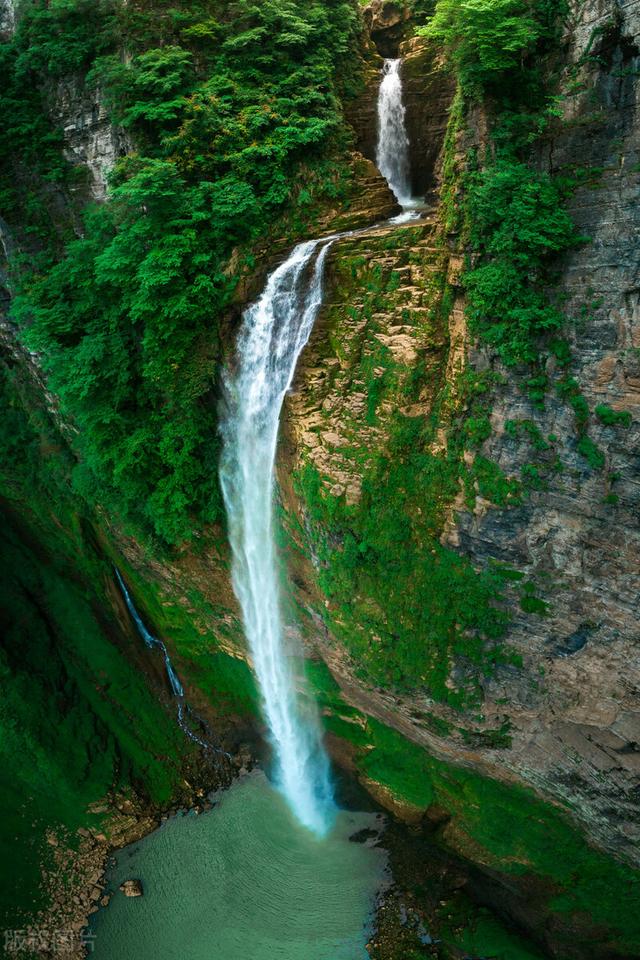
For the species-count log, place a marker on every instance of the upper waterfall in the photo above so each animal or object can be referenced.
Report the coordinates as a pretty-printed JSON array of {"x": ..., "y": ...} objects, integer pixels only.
[
  {"x": 273, "y": 332},
  {"x": 392, "y": 154}
]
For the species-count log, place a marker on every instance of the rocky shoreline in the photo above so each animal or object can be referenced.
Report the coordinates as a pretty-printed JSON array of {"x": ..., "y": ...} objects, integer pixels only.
[
  {"x": 425, "y": 899},
  {"x": 75, "y": 884}
]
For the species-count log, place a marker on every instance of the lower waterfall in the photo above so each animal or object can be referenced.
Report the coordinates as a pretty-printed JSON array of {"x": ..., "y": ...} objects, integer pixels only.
[{"x": 274, "y": 330}]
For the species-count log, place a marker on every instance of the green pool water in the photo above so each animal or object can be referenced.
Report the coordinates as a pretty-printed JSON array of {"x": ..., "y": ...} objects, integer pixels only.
[{"x": 244, "y": 880}]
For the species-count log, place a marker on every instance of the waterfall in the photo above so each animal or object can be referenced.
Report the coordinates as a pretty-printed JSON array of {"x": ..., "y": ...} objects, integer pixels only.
[
  {"x": 174, "y": 680},
  {"x": 273, "y": 332},
  {"x": 272, "y": 335},
  {"x": 392, "y": 155}
]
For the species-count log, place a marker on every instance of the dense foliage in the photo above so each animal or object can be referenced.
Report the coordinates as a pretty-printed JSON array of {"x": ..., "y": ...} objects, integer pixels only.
[
  {"x": 517, "y": 224},
  {"x": 485, "y": 38},
  {"x": 512, "y": 214},
  {"x": 234, "y": 109},
  {"x": 490, "y": 44}
]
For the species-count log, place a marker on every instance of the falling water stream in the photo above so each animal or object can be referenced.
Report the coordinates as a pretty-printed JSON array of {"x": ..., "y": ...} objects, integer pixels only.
[
  {"x": 273, "y": 332},
  {"x": 270, "y": 872},
  {"x": 173, "y": 678},
  {"x": 392, "y": 154}
]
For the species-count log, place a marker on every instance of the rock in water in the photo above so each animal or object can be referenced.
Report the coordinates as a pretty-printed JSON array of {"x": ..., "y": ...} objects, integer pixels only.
[{"x": 132, "y": 888}]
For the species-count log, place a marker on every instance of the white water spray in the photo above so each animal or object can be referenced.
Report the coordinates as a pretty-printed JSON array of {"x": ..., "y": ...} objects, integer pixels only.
[
  {"x": 273, "y": 332},
  {"x": 392, "y": 155}
]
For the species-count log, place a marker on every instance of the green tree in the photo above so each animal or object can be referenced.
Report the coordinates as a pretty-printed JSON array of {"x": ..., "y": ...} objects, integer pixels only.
[{"x": 485, "y": 38}]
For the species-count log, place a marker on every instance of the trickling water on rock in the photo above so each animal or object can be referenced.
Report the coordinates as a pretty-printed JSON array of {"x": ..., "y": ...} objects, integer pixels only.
[
  {"x": 274, "y": 330},
  {"x": 149, "y": 639},
  {"x": 174, "y": 680}
]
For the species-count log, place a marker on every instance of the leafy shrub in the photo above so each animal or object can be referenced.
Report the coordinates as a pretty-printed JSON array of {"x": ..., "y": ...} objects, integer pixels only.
[
  {"x": 612, "y": 418},
  {"x": 64, "y": 36},
  {"x": 569, "y": 390},
  {"x": 517, "y": 225},
  {"x": 591, "y": 452}
]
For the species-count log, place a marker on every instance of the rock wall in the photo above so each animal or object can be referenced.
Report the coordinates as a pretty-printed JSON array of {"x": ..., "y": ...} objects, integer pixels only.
[
  {"x": 428, "y": 90},
  {"x": 7, "y": 18},
  {"x": 572, "y": 707},
  {"x": 362, "y": 112},
  {"x": 92, "y": 141},
  {"x": 576, "y": 708},
  {"x": 387, "y": 23}
]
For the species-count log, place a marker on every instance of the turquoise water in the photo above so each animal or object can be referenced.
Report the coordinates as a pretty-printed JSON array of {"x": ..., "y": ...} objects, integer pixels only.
[{"x": 244, "y": 880}]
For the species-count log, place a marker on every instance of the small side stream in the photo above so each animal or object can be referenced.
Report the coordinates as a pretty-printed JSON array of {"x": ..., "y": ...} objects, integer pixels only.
[{"x": 245, "y": 880}]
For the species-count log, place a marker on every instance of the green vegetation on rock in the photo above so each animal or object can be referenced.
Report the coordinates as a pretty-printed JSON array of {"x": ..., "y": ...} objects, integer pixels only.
[
  {"x": 517, "y": 225},
  {"x": 77, "y": 717},
  {"x": 233, "y": 108},
  {"x": 504, "y": 827},
  {"x": 411, "y": 613}
]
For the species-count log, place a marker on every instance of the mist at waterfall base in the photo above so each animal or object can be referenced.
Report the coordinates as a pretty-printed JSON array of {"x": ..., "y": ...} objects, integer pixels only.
[{"x": 244, "y": 880}]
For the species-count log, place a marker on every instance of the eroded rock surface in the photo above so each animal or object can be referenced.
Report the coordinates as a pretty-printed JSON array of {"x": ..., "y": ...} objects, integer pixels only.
[
  {"x": 387, "y": 22},
  {"x": 377, "y": 316},
  {"x": 572, "y": 708},
  {"x": 7, "y": 18},
  {"x": 91, "y": 139}
]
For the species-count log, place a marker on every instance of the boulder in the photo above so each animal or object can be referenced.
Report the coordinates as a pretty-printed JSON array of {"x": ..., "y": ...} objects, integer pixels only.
[{"x": 132, "y": 888}]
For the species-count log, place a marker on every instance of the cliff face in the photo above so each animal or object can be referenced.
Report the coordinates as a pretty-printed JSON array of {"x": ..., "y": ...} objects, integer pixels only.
[
  {"x": 92, "y": 142},
  {"x": 571, "y": 709},
  {"x": 7, "y": 18},
  {"x": 377, "y": 318},
  {"x": 575, "y": 709}
]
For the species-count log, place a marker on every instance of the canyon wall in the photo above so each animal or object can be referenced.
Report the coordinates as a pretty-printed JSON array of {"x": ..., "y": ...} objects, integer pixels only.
[
  {"x": 576, "y": 710},
  {"x": 571, "y": 707}
]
